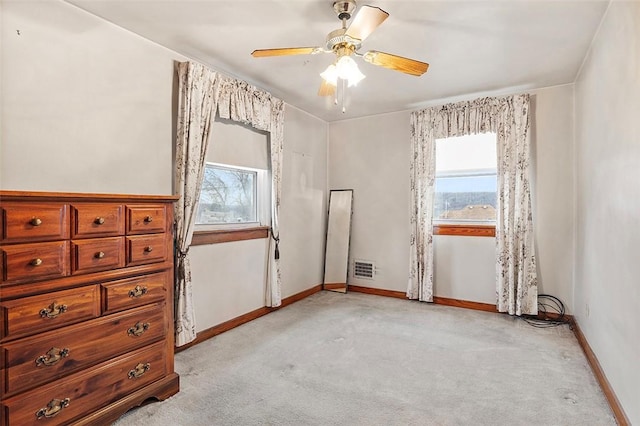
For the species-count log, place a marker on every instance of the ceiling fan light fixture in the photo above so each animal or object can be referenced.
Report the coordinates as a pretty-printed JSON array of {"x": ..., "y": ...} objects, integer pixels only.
[
  {"x": 347, "y": 69},
  {"x": 330, "y": 75},
  {"x": 345, "y": 43}
]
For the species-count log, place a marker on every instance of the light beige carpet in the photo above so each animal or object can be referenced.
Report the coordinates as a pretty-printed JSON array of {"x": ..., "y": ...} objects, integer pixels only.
[{"x": 355, "y": 359}]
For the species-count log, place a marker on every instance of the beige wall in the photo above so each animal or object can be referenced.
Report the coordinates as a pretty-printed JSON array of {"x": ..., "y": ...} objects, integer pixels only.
[
  {"x": 607, "y": 289},
  {"x": 552, "y": 143},
  {"x": 228, "y": 280},
  {"x": 87, "y": 107},
  {"x": 303, "y": 211},
  {"x": 371, "y": 155}
]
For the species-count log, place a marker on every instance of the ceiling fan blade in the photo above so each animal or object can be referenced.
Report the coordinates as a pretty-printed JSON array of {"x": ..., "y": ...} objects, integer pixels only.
[
  {"x": 261, "y": 53},
  {"x": 366, "y": 21},
  {"x": 326, "y": 89},
  {"x": 397, "y": 63}
]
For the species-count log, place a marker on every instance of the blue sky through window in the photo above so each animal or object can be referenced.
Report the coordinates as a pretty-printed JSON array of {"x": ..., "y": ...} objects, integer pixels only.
[{"x": 466, "y": 184}]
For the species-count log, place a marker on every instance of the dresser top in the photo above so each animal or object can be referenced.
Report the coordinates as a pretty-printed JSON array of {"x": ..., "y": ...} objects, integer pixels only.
[{"x": 7, "y": 195}]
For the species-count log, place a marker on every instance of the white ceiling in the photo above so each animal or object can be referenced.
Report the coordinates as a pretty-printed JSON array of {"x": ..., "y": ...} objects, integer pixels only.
[{"x": 473, "y": 47}]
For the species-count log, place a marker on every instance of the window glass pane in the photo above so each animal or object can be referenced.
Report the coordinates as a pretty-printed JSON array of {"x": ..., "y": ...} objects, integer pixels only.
[
  {"x": 228, "y": 196},
  {"x": 465, "y": 198},
  {"x": 471, "y": 152},
  {"x": 465, "y": 186}
]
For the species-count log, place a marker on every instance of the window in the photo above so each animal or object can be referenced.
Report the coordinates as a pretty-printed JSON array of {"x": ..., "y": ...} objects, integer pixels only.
[
  {"x": 235, "y": 200},
  {"x": 229, "y": 195},
  {"x": 465, "y": 185}
]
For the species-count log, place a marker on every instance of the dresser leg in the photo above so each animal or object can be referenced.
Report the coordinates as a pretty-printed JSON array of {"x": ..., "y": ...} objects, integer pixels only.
[{"x": 160, "y": 390}]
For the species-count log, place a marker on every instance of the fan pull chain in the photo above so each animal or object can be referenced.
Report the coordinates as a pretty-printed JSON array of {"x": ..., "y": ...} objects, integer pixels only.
[{"x": 344, "y": 92}]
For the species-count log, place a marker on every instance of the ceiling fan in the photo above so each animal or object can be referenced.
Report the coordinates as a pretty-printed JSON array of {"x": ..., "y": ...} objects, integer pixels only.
[{"x": 345, "y": 42}]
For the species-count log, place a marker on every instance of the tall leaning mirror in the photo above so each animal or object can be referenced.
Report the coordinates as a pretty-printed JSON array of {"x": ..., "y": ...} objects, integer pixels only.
[{"x": 336, "y": 257}]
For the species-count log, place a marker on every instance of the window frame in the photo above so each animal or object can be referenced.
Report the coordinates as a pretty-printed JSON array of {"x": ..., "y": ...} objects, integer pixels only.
[
  {"x": 217, "y": 236},
  {"x": 466, "y": 230},
  {"x": 205, "y": 234},
  {"x": 462, "y": 227}
]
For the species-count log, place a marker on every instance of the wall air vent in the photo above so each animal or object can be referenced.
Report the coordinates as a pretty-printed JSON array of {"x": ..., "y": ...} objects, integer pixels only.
[{"x": 364, "y": 269}]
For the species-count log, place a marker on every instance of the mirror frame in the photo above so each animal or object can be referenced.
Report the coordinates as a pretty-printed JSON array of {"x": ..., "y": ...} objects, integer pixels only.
[{"x": 341, "y": 260}]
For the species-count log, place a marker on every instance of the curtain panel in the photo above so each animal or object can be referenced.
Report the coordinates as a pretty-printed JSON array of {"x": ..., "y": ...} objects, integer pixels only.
[
  {"x": 422, "y": 176},
  {"x": 196, "y": 106},
  {"x": 202, "y": 93},
  {"x": 508, "y": 117},
  {"x": 517, "y": 281}
]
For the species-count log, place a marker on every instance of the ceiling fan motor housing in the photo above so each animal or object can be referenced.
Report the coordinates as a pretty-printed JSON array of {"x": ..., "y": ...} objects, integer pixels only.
[{"x": 338, "y": 39}]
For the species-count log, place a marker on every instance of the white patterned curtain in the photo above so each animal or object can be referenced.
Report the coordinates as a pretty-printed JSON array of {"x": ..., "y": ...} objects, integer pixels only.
[
  {"x": 422, "y": 173},
  {"x": 516, "y": 281},
  {"x": 274, "y": 278},
  {"x": 240, "y": 101},
  {"x": 196, "y": 107}
]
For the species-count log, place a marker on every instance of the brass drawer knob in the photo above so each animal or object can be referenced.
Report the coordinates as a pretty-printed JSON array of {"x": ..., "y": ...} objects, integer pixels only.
[
  {"x": 53, "y": 310},
  {"x": 99, "y": 255},
  {"x": 137, "y": 291},
  {"x": 36, "y": 221},
  {"x": 148, "y": 249},
  {"x": 36, "y": 262},
  {"x": 53, "y": 408},
  {"x": 139, "y": 370},
  {"x": 138, "y": 329},
  {"x": 52, "y": 357},
  {"x": 99, "y": 220},
  {"x": 148, "y": 219}
]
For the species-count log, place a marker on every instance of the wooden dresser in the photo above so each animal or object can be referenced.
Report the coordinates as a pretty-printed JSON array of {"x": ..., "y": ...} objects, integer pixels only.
[{"x": 86, "y": 306}]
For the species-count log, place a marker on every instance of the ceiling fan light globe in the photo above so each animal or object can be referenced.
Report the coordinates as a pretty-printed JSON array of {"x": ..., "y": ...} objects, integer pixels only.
[
  {"x": 355, "y": 78},
  {"x": 330, "y": 75},
  {"x": 345, "y": 66},
  {"x": 347, "y": 69}
]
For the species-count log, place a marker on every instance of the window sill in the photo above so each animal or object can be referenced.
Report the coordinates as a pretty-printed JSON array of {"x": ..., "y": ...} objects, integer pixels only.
[
  {"x": 201, "y": 238},
  {"x": 465, "y": 230}
]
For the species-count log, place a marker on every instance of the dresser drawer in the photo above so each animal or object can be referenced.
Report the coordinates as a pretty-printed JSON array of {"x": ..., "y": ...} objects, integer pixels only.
[
  {"x": 146, "y": 219},
  {"x": 98, "y": 254},
  {"x": 33, "y": 262},
  {"x": 143, "y": 249},
  {"x": 97, "y": 220},
  {"x": 36, "y": 360},
  {"x": 87, "y": 390},
  {"x": 23, "y": 222},
  {"x": 34, "y": 314},
  {"x": 132, "y": 292}
]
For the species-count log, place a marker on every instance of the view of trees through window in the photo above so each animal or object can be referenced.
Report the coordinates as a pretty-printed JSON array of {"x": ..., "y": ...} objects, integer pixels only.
[
  {"x": 228, "y": 195},
  {"x": 465, "y": 198},
  {"x": 465, "y": 186}
]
